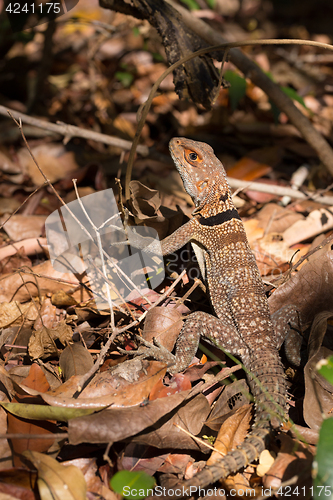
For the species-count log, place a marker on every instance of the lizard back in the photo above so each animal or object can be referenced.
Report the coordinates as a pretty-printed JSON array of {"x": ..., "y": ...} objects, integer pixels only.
[{"x": 237, "y": 296}]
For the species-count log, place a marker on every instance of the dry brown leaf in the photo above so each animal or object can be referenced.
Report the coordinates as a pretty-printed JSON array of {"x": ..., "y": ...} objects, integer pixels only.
[
  {"x": 275, "y": 219},
  {"x": 253, "y": 230},
  {"x": 36, "y": 380},
  {"x": 15, "y": 260},
  {"x": 128, "y": 384},
  {"x": 47, "y": 315},
  {"x": 5, "y": 450},
  {"x": 75, "y": 359},
  {"x": 18, "y": 373},
  {"x": 135, "y": 458},
  {"x": 316, "y": 222},
  {"x": 239, "y": 485},
  {"x": 145, "y": 202},
  {"x": 266, "y": 461},
  {"x": 8, "y": 205},
  {"x": 55, "y": 480},
  {"x": 232, "y": 432},
  {"x": 310, "y": 290},
  {"x": 164, "y": 324},
  {"x": 293, "y": 459},
  {"x": 21, "y": 227},
  {"x": 13, "y": 311},
  {"x": 117, "y": 424},
  {"x": 248, "y": 169},
  {"x": 272, "y": 254},
  {"x": 7, "y": 165},
  {"x": 53, "y": 159},
  {"x": 48, "y": 280},
  {"x": 42, "y": 342},
  {"x": 233, "y": 397},
  {"x": 318, "y": 398},
  {"x": 190, "y": 416},
  {"x": 95, "y": 485}
]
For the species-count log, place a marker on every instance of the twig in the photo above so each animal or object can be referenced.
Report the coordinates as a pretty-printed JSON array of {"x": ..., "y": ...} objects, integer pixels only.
[
  {"x": 199, "y": 440},
  {"x": 23, "y": 203},
  {"x": 311, "y": 252},
  {"x": 111, "y": 285},
  {"x": 223, "y": 374},
  {"x": 44, "y": 65},
  {"x": 121, "y": 6},
  {"x": 59, "y": 435},
  {"x": 259, "y": 78},
  {"x": 100, "y": 249},
  {"x": 70, "y": 131},
  {"x": 100, "y": 359},
  {"x": 279, "y": 191},
  {"x": 19, "y": 124},
  {"x": 324, "y": 151}
]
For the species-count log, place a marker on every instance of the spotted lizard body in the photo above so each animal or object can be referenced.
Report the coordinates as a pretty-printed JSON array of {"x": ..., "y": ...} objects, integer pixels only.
[{"x": 243, "y": 325}]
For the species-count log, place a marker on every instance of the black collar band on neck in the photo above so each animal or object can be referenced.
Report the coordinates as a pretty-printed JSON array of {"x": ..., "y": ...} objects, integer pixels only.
[{"x": 220, "y": 218}]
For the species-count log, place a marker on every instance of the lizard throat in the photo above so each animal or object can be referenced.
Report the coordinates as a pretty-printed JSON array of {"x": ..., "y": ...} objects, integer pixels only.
[{"x": 220, "y": 218}]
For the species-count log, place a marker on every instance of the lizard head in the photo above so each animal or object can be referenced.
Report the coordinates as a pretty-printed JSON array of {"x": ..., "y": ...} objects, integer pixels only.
[{"x": 202, "y": 173}]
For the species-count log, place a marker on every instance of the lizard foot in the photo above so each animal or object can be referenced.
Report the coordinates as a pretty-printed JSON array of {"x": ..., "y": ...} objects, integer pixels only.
[{"x": 152, "y": 350}]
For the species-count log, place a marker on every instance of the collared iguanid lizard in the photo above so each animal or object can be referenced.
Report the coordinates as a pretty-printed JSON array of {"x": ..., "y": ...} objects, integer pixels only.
[{"x": 243, "y": 325}]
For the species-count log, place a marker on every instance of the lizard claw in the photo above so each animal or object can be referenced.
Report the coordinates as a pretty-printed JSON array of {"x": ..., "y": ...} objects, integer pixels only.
[
  {"x": 156, "y": 351},
  {"x": 153, "y": 350}
]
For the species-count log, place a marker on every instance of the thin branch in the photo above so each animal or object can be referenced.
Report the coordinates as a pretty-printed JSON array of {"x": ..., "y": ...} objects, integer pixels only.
[
  {"x": 259, "y": 78},
  {"x": 70, "y": 131},
  {"x": 121, "y": 6},
  {"x": 279, "y": 191},
  {"x": 59, "y": 435},
  {"x": 324, "y": 147}
]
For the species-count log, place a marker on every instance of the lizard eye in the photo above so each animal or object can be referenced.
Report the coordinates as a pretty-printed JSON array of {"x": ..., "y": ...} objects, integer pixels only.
[{"x": 193, "y": 156}]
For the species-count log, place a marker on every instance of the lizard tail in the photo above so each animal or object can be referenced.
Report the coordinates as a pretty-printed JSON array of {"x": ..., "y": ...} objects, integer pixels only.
[
  {"x": 268, "y": 385},
  {"x": 256, "y": 442}
]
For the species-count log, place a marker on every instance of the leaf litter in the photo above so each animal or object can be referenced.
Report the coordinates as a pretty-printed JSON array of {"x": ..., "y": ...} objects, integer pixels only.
[{"x": 49, "y": 320}]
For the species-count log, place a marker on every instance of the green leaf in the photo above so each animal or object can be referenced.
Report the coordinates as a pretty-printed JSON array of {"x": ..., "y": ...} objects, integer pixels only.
[
  {"x": 124, "y": 77},
  {"x": 325, "y": 368},
  {"x": 323, "y": 463},
  {"x": 211, "y": 3},
  {"x": 158, "y": 57},
  {"x": 43, "y": 412},
  {"x": 237, "y": 88},
  {"x": 290, "y": 93},
  {"x": 132, "y": 485},
  {"x": 293, "y": 95},
  {"x": 191, "y": 4}
]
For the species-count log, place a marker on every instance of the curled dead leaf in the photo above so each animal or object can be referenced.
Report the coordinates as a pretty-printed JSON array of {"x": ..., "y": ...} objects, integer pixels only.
[{"x": 42, "y": 342}]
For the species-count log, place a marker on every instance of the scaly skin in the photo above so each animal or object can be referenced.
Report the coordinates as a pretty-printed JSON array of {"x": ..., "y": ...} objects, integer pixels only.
[{"x": 243, "y": 325}]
